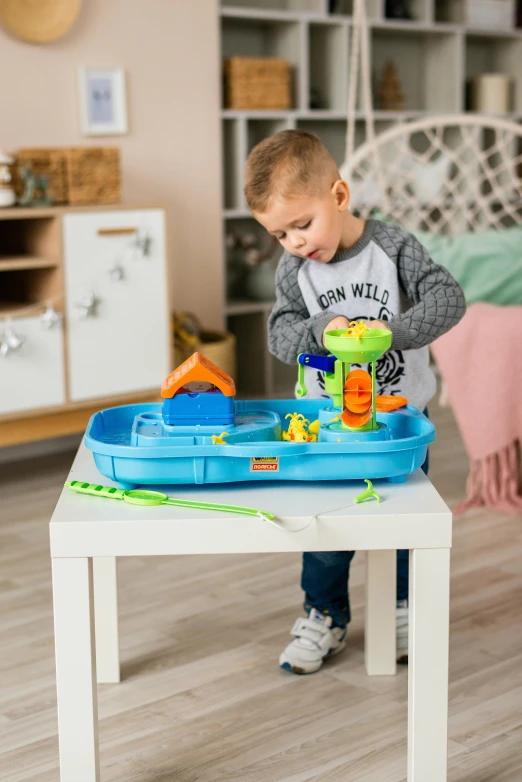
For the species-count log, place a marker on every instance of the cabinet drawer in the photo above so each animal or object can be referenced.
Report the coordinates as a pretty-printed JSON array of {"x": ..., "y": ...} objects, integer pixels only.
[
  {"x": 122, "y": 344},
  {"x": 34, "y": 376}
]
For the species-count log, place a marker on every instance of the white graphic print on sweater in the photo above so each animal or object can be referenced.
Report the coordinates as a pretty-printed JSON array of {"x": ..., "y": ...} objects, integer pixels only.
[{"x": 366, "y": 287}]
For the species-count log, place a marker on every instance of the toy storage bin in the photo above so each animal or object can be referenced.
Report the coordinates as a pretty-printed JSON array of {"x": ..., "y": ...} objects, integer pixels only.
[
  {"x": 218, "y": 346},
  {"x": 77, "y": 175},
  {"x": 257, "y": 83}
]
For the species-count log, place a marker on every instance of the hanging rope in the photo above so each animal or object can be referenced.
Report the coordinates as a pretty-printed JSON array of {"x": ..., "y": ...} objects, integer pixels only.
[{"x": 360, "y": 50}]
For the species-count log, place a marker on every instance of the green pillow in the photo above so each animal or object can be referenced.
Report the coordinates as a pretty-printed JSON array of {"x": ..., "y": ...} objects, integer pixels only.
[{"x": 487, "y": 264}]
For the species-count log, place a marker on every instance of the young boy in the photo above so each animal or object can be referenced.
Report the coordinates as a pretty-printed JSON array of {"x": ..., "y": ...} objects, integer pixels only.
[{"x": 336, "y": 268}]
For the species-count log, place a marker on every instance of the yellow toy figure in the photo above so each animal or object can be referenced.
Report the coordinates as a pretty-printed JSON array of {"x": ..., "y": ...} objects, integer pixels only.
[
  {"x": 300, "y": 430},
  {"x": 357, "y": 329},
  {"x": 217, "y": 439},
  {"x": 313, "y": 428}
]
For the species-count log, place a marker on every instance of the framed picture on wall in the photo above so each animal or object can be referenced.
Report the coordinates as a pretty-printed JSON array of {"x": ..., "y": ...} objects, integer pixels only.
[{"x": 103, "y": 105}]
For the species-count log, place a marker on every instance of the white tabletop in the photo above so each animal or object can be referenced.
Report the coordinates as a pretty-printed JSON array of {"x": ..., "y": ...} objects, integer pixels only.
[{"x": 312, "y": 517}]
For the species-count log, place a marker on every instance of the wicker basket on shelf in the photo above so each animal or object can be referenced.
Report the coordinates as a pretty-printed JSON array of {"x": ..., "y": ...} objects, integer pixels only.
[
  {"x": 189, "y": 337},
  {"x": 77, "y": 175},
  {"x": 93, "y": 175},
  {"x": 257, "y": 83},
  {"x": 43, "y": 162}
]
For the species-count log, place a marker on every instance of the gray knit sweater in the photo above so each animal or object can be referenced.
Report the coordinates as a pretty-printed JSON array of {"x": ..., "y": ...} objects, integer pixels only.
[{"x": 386, "y": 276}]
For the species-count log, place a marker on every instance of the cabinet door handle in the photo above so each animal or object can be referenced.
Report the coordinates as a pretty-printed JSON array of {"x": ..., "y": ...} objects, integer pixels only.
[{"x": 116, "y": 231}]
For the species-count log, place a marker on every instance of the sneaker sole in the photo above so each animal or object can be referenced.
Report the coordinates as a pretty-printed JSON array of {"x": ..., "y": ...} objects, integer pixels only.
[{"x": 287, "y": 666}]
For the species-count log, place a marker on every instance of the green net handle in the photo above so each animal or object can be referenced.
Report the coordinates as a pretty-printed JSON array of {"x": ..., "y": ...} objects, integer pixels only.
[{"x": 93, "y": 488}]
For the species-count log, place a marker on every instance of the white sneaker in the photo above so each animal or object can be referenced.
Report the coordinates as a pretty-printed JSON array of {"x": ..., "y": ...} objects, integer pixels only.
[
  {"x": 401, "y": 620},
  {"x": 314, "y": 640}
]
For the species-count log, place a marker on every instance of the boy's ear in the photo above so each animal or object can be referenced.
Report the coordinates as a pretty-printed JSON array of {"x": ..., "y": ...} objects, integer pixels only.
[{"x": 341, "y": 194}]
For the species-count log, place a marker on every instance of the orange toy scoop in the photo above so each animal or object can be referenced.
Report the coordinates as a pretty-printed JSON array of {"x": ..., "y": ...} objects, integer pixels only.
[
  {"x": 355, "y": 420},
  {"x": 385, "y": 403},
  {"x": 358, "y": 391}
]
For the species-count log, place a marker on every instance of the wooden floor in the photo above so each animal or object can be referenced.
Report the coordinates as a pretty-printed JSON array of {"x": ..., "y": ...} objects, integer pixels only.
[{"x": 202, "y": 698}]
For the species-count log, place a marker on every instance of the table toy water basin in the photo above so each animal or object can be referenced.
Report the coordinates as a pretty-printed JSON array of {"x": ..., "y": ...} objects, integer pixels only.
[{"x": 133, "y": 446}]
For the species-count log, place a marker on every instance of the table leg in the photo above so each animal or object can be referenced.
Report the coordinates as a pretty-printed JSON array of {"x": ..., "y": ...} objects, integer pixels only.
[
  {"x": 428, "y": 665},
  {"x": 380, "y": 633},
  {"x": 75, "y": 670},
  {"x": 106, "y": 619}
]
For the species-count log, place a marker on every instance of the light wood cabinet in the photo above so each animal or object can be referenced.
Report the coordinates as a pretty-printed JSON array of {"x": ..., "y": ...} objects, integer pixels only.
[{"x": 105, "y": 270}]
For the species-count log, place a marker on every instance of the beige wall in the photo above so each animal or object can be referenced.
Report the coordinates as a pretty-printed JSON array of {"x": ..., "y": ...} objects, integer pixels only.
[{"x": 170, "y": 50}]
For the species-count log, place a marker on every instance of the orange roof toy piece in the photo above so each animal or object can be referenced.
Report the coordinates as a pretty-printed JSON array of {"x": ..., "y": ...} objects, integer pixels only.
[{"x": 197, "y": 367}]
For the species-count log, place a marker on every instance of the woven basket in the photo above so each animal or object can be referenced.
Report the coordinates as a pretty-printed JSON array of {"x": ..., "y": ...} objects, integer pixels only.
[
  {"x": 257, "y": 83},
  {"x": 43, "y": 162},
  {"x": 218, "y": 346},
  {"x": 93, "y": 175},
  {"x": 77, "y": 175}
]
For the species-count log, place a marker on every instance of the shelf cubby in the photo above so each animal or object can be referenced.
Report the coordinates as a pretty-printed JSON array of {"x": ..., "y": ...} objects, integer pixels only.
[
  {"x": 21, "y": 288},
  {"x": 283, "y": 379},
  {"x": 31, "y": 243},
  {"x": 234, "y": 155},
  {"x": 310, "y": 6},
  {"x": 236, "y": 267},
  {"x": 244, "y": 37},
  {"x": 427, "y": 63},
  {"x": 328, "y": 65},
  {"x": 30, "y": 253},
  {"x": 460, "y": 12},
  {"x": 253, "y": 375},
  {"x": 421, "y": 11},
  {"x": 499, "y": 54},
  {"x": 336, "y": 8},
  {"x": 259, "y": 129},
  {"x": 332, "y": 133}
]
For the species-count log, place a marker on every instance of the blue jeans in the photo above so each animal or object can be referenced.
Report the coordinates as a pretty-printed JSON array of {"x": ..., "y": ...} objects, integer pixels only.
[{"x": 324, "y": 579}]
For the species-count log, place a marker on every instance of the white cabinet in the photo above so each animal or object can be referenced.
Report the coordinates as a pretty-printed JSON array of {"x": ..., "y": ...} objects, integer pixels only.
[
  {"x": 33, "y": 376},
  {"x": 116, "y": 302}
]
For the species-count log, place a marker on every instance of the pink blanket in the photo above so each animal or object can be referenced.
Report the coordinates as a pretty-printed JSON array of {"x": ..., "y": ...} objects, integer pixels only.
[{"x": 481, "y": 363}]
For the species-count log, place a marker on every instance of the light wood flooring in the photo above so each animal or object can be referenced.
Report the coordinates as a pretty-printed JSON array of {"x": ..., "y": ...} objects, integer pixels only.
[{"x": 202, "y": 698}]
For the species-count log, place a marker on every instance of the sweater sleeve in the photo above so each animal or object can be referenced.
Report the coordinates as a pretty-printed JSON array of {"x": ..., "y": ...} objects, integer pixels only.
[
  {"x": 291, "y": 328},
  {"x": 438, "y": 300}
]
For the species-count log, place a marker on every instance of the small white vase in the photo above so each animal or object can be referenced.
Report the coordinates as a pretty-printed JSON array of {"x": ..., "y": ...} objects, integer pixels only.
[
  {"x": 491, "y": 93},
  {"x": 7, "y": 196},
  {"x": 7, "y": 193}
]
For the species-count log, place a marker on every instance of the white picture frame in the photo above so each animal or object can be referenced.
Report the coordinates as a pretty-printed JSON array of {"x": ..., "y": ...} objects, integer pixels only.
[{"x": 103, "y": 103}]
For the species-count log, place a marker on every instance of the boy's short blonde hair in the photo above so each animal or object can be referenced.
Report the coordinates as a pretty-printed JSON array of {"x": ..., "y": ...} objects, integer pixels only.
[{"x": 288, "y": 164}]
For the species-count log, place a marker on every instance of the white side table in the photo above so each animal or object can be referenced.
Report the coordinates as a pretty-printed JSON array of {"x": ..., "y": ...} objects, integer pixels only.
[{"x": 87, "y": 534}]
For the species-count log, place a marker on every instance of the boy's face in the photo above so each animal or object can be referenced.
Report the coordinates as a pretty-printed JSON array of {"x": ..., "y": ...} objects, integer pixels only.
[{"x": 308, "y": 226}]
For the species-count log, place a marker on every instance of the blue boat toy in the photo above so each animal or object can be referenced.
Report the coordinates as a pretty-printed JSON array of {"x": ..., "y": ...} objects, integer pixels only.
[{"x": 202, "y": 434}]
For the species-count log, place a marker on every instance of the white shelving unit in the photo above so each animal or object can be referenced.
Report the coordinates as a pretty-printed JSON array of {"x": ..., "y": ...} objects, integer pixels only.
[{"x": 436, "y": 55}]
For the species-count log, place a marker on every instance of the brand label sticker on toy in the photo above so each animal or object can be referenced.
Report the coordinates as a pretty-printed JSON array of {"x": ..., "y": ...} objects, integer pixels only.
[{"x": 264, "y": 464}]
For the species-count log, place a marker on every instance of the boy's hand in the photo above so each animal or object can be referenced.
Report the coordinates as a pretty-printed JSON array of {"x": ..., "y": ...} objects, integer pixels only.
[
  {"x": 340, "y": 322},
  {"x": 377, "y": 324}
]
